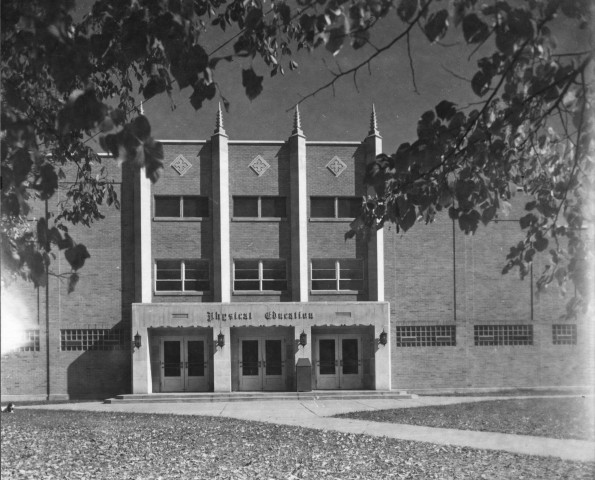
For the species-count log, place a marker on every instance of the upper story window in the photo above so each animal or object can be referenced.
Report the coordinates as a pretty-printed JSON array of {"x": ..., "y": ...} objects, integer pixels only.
[
  {"x": 182, "y": 276},
  {"x": 259, "y": 207},
  {"x": 337, "y": 274},
  {"x": 188, "y": 206},
  {"x": 335, "y": 207},
  {"x": 260, "y": 275}
]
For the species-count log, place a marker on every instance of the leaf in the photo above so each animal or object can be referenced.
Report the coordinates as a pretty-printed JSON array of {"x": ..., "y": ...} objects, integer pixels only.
[
  {"x": 406, "y": 9},
  {"x": 153, "y": 159},
  {"x": 437, "y": 25},
  {"x": 140, "y": 128},
  {"x": 252, "y": 83},
  {"x": 527, "y": 220},
  {"x": 76, "y": 256},
  {"x": 335, "y": 39},
  {"x": 360, "y": 38},
  {"x": 474, "y": 29},
  {"x": 445, "y": 110},
  {"x": 468, "y": 222},
  {"x": 73, "y": 280},
  {"x": 480, "y": 83}
]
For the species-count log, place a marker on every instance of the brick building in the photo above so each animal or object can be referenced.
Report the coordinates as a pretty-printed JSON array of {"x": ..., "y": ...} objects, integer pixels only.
[{"x": 234, "y": 266}]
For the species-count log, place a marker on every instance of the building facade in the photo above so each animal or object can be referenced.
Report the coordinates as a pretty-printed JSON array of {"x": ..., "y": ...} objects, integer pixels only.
[{"x": 234, "y": 266}]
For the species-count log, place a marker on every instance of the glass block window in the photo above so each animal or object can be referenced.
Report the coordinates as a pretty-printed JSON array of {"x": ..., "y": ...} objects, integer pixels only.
[
  {"x": 25, "y": 341},
  {"x": 259, "y": 207},
  {"x": 94, "y": 339},
  {"x": 337, "y": 274},
  {"x": 499, "y": 335},
  {"x": 260, "y": 275},
  {"x": 181, "y": 206},
  {"x": 335, "y": 207},
  {"x": 427, "y": 336},
  {"x": 564, "y": 334},
  {"x": 182, "y": 276}
]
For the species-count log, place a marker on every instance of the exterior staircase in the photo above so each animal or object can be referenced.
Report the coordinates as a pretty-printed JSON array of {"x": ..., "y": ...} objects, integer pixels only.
[{"x": 205, "y": 397}]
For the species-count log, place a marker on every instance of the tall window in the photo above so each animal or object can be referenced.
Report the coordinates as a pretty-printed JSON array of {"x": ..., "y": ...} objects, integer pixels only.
[
  {"x": 335, "y": 207},
  {"x": 181, "y": 206},
  {"x": 260, "y": 275},
  {"x": 259, "y": 207},
  {"x": 182, "y": 276},
  {"x": 337, "y": 274}
]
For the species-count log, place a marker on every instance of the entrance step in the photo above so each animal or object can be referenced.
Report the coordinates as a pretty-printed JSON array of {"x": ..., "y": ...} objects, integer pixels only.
[{"x": 256, "y": 396}]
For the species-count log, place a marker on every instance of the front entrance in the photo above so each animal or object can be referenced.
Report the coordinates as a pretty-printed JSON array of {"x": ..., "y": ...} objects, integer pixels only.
[
  {"x": 184, "y": 364},
  {"x": 338, "y": 362},
  {"x": 262, "y": 364}
]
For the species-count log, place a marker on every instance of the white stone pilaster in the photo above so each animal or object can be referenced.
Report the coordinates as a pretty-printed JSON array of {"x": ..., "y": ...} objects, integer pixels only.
[
  {"x": 382, "y": 358},
  {"x": 221, "y": 215},
  {"x": 143, "y": 268},
  {"x": 373, "y": 143},
  {"x": 141, "y": 362},
  {"x": 222, "y": 361},
  {"x": 298, "y": 212}
]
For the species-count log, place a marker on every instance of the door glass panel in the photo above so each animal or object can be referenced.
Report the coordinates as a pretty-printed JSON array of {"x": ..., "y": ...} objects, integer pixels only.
[
  {"x": 196, "y": 358},
  {"x": 249, "y": 357},
  {"x": 171, "y": 359},
  {"x": 350, "y": 356},
  {"x": 326, "y": 352},
  {"x": 273, "y": 357}
]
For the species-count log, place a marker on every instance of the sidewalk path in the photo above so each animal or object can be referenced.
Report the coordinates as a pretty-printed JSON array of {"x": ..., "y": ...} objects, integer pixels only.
[{"x": 318, "y": 415}]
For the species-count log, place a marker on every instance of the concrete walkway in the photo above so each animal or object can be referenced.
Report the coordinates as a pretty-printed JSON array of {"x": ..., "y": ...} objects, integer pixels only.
[{"x": 317, "y": 414}]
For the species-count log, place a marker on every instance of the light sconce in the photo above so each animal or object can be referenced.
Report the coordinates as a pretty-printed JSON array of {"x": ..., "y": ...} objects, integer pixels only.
[
  {"x": 383, "y": 339},
  {"x": 136, "y": 344},
  {"x": 303, "y": 339},
  {"x": 220, "y": 340}
]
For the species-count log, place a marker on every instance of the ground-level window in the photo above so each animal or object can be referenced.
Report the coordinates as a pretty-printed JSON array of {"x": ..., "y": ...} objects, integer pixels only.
[
  {"x": 564, "y": 334},
  {"x": 427, "y": 336},
  {"x": 259, "y": 207},
  {"x": 24, "y": 341},
  {"x": 335, "y": 207},
  {"x": 259, "y": 275},
  {"x": 182, "y": 276},
  {"x": 332, "y": 274},
  {"x": 94, "y": 339},
  {"x": 188, "y": 206},
  {"x": 498, "y": 335}
]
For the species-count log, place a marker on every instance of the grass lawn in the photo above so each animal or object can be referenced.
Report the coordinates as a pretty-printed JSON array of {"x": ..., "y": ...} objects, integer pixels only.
[
  {"x": 67, "y": 445},
  {"x": 562, "y": 417}
]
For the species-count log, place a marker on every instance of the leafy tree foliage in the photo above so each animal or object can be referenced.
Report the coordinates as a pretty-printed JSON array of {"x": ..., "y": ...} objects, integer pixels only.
[{"x": 65, "y": 82}]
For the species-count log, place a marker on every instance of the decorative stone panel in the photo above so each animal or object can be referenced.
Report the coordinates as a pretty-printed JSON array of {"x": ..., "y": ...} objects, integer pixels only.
[
  {"x": 259, "y": 165},
  {"x": 180, "y": 165},
  {"x": 336, "y": 166}
]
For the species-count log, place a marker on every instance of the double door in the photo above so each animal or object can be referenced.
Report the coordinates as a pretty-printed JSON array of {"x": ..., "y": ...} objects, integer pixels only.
[
  {"x": 262, "y": 363},
  {"x": 338, "y": 362},
  {"x": 184, "y": 366}
]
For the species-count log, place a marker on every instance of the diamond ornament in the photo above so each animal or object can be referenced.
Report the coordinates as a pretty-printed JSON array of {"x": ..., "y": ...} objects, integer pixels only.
[
  {"x": 180, "y": 165},
  {"x": 336, "y": 166},
  {"x": 259, "y": 165}
]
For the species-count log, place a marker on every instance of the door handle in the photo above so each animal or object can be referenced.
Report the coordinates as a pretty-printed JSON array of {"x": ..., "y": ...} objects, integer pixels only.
[
  {"x": 264, "y": 364},
  {"x": 341, "y": 363}
]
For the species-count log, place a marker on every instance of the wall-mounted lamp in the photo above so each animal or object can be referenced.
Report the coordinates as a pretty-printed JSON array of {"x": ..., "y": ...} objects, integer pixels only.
[
  {"x": 383, "y": 339},
  {"x": 220, "y": 340},
  {"x": 303, "y": 339},
  {"x": 136, "y": 343}
]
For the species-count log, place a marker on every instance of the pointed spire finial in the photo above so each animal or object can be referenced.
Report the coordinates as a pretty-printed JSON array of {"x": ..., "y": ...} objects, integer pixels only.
[
  {"x": 373, "y": 123},
  {"x": 297, "y": 122},
  {"x": 219, "y": 122}
]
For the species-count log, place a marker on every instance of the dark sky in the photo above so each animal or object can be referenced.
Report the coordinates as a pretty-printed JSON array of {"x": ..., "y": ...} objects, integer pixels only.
[{"x": 344, "y": 114}]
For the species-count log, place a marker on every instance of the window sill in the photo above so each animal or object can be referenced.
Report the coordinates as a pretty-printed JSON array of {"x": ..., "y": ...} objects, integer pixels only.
[
  {"x": 336, "y": 292},
  {"x": 180, "y": 219},
  {"x": 258, "y": 219},
  {"x": 254, "y": 292},
  {"x": 332, "y": 220},
  {"x": 179, "y": 294}
]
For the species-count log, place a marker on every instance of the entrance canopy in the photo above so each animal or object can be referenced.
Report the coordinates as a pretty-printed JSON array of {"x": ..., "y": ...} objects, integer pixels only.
[{"x": 254, "y": 346}]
